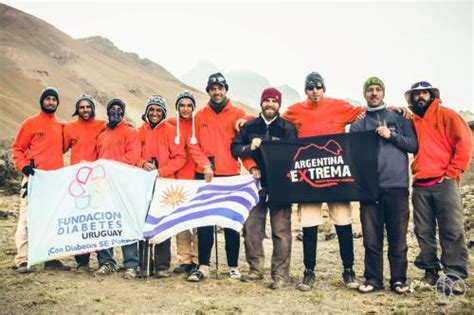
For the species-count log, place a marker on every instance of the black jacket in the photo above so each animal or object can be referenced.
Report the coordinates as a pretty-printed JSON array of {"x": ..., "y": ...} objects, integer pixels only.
[{"x": 257, "y": 128}]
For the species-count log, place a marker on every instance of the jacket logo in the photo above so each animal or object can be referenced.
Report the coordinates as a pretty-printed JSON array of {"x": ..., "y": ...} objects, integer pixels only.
[
  {"x": 74, "y": 141},
  {"x": 40, "y": 134}
]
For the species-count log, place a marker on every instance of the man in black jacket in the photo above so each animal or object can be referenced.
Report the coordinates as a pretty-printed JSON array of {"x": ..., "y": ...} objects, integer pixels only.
[
  {"x": 397, "y": 137},
  {"x": 269, "y": 126}
]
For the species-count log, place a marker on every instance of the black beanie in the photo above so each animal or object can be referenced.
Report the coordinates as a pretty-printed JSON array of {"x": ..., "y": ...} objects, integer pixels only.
[
  {"x": 216, "y": 78},
  {"x": 48, "y": 91},
  {"x": 118, "y": 102}
]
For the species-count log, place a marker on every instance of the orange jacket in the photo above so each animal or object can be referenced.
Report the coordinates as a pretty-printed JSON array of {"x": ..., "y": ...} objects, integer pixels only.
[
  {"x": 159, "y": 143},
  {"x": 81, "y": 137},
  {"x": 444, "y": 143},
  {"x": 185, "y": 129},
  {"x": 328, "y": 116},
  {"x": 214, "y": 133},
  {"x": 40, "y": 138},
  {"x": 119, "y": 144}
]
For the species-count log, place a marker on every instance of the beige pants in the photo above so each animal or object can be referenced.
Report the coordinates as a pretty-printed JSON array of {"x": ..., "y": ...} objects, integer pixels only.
[
  {"x": 340, "y": 213},
  {"x": 187, "y": 247},
  {"x": 21, "y": 235}
]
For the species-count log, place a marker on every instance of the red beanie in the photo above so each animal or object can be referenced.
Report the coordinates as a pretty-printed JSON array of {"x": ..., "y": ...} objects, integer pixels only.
[{"x": 271, "y": 93}]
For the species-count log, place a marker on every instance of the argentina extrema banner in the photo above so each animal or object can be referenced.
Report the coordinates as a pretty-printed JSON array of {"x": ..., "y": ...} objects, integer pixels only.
[{"x": 339, "y": 167}]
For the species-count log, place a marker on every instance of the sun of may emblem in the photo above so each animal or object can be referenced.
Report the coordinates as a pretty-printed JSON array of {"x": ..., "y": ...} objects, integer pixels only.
[{"x": 173, "y": 196}]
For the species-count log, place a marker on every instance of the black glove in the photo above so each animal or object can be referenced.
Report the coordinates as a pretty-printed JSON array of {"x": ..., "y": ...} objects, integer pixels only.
[{"x": 28, "y": 170}]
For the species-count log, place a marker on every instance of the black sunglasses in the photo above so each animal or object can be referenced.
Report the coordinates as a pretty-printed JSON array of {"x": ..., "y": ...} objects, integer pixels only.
[
  {"x": 313, "y": 85},
  {"x": 422, "y": 84}
]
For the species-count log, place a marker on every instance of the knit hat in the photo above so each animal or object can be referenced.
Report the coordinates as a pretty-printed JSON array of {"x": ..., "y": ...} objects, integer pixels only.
[
  {"x": 48, "y": 91},
  {"x": 216, "y": 78},
  {"x": 271, "y": 93},
  {"x": 422, "y": 85},
  {"x": 185, "y": 94},
  {"x": 314, "y": 80},
  {"x": 89, "y": 99},
  {"x": 373, "y": 81},
  {"x": 155, "y": 100},
  {"x": 188, "y": 95},
  {"x": 118, "y": 102}
]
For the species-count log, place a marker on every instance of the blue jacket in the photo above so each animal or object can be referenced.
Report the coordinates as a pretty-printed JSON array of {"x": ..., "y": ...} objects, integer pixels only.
[{"x": 392, "y": 154}]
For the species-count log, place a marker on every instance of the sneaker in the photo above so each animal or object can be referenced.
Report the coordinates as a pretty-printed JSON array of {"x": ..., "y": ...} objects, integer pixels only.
[
  {"x": 196, "y": 276},
  {"x": 234, "y": 274},
  {"x": 82, "y": 268},
  {"x": 56, "y": 265},
  {"x": 104, "y": 270},
  {"x": 162, "y": 274},
  {"x": 184, "y": 268},
  {"x": 349, "y": 279},
  {"x": 299, "y": 237},
  {"x": 23, "y": 268},
  {"x": 277, "y": 283},
  {"x": 252, "y": 276},
  {"x": 130, "y": 273},
  {"x": 431, "y": 276},
  {"x": 308, "y": 281}
]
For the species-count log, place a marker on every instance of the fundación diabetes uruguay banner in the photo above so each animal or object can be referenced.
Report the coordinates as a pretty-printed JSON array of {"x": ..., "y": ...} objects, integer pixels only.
[
  {"x": 92, "y": 206},
  {"x": 86, "y": 207},
  {"x": 332, "y": 168}
]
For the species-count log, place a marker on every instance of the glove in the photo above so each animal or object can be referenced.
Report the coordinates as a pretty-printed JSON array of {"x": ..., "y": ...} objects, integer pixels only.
[{"x": 28, "y": 170}]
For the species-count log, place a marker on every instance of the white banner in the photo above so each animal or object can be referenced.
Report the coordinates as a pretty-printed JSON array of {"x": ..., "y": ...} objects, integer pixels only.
[
  {"x": 86, "y": 207},
  {"x": 180, "y": 205}
]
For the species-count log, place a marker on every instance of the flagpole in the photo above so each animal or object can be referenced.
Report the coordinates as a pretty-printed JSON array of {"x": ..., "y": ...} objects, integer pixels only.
[{"x": 217, "y": 252}]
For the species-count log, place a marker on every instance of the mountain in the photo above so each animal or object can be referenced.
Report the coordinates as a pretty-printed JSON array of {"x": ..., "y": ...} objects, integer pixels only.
[
  {"x": 34, "y": 54},
  {"x": 244, "y": 85}
]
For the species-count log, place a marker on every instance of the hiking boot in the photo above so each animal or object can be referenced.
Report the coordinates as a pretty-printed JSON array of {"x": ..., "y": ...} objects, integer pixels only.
[
  {"x": 431, "y": 276},
  {"x": 252, "y": 276},
  {"x": 82, "y": 268},
  {"x": 349, "y": 278},
  {"x": 104, "y": 270},
  {"x": 56, "y": 265},
  {"x": 23, "y": 268},
  {"x": 130, "y": 273},
  {"x": 196, "y": 276},
  {"x": 184, "y": 268},
  {"x": 234, "y": 273},
  {"x": 277, "y": 283},
  {"x": 162, "y": 274},
  {"x": 307, "y": 282}
]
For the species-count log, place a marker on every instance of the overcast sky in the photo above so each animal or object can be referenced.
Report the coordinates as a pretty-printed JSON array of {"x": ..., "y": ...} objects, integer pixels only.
[{"x": 400, "y": 41}]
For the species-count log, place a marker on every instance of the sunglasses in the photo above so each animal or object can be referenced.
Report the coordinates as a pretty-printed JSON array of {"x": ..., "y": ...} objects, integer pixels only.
[
  {"x": 424, "y": 84},
  {"x": 216, "y": 79},
  {"x": 313, "y": 85}
]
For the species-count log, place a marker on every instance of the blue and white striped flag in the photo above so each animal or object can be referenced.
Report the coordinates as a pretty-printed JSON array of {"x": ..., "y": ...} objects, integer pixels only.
[{"x": 180, "y": 205}]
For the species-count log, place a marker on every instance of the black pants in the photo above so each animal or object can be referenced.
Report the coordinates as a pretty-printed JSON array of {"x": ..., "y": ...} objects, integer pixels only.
[
  {"x": 206, "y": 241},
  {"x": 391, "y": 210},
  {"x": 162, "y": 255}
]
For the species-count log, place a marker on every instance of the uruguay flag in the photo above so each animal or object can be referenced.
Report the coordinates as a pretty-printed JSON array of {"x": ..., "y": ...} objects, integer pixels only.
[{"x": 180, "y": 205}]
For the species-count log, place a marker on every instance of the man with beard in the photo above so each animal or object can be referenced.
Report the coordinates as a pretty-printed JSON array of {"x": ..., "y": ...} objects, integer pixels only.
[
  {"x": 316, "y": 116},
  {"x": 268, "y": 126},
  {"x": 445, "y": 150},
  {"x": 38, "y": 144},
  {"x": 396, "y": 138},
  {"x": 187, "y": 242},
  {"x": 159, "y": 151},
  {"x": 81, "y": 137},
  {"x": 120, "y": 142},
  {"x": 215, "y": 129}
]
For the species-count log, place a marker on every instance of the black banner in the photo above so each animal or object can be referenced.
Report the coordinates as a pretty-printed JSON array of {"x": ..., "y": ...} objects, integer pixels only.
[{"x": 340, "y": 167}]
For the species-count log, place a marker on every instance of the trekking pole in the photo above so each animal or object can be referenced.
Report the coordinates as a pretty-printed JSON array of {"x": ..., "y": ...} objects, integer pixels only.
[{"x": 217, "y": 252}]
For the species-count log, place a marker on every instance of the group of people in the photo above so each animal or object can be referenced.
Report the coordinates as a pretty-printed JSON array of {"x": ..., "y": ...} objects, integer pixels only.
[{"x": 212, "y": 141}]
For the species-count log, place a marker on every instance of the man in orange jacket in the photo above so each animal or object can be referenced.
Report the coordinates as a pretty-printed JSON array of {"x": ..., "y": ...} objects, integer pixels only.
[
  {"x": 38, "y": 144},
  {"x": 120, "y": 142},
  {"x": 159, "y": 151},
  {"x": 215, "y": 129},
  {"x": 187, "y": 240},
  {"x": 81, "y": 137},
  {"x": 445, "y": 150},
  {"x": 316, "y": 116}
]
